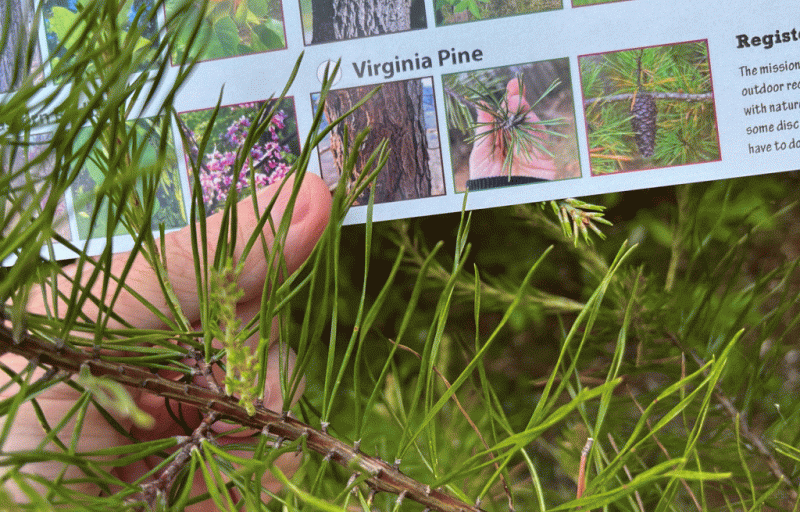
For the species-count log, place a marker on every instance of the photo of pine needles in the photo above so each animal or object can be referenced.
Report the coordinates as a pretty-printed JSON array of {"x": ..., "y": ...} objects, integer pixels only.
[
  {"x": 649, "y": 108},
  {"x": 516, "y": 122}
]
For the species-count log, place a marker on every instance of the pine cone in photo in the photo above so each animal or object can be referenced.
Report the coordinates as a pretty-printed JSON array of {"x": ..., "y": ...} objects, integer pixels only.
[{"x": 643, "y": 123}]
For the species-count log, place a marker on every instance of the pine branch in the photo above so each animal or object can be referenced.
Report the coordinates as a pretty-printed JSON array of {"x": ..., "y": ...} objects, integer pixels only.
[
  {"x": 682, "y": 96},
  {"x": 153, "y": 491},
  {"x": 383, "y": 477}
]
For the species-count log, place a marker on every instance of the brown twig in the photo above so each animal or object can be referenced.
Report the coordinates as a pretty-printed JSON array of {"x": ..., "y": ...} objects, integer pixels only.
[
  {"x": 154, "y": 491},
  {"x": 205, "y": 371},
  {"x": 582, "y": 468},
  {"x": 627, "y": 472},
  {"x": 682, "y": 96},
  {"x": 382, "y": 476}
]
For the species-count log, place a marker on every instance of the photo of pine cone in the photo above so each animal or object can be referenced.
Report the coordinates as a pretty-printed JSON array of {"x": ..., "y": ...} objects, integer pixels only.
[
  {"x": 649, "y": 108},
  {"x": 643, "y": 123}
]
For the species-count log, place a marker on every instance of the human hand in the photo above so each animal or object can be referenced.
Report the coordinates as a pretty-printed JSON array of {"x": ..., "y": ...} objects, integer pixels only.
[
  {"x": 309, "y": 219},
  {"x": 489, "y": 154}
]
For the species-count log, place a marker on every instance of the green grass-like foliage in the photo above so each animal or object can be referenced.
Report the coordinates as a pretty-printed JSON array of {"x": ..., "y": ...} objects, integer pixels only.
[{"x": 479, "y": 350}]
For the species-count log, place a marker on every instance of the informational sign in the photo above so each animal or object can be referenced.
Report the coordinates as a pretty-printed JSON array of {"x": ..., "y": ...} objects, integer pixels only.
[{"x": 512, "y": 101}]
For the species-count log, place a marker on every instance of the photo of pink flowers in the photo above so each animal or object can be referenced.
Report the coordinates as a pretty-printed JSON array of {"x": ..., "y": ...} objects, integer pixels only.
[{"x": 269, "y": 159}]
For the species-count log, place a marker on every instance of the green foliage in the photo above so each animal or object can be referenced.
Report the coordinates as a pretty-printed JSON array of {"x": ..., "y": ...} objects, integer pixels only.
[
  {"x": 114, "y": 396},
  {"x": 133, "y": 25},
  {"x": 168, "y": 210},
  {"x": 457, "y": 11},
  {"x": 480, "y": 350},
  {"x": 233, "y": 27}
]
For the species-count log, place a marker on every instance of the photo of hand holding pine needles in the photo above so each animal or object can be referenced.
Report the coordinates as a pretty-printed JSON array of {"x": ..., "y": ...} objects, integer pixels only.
[
  {"x": 511, "y": 126},
  {"x": 510, "y": 139}
]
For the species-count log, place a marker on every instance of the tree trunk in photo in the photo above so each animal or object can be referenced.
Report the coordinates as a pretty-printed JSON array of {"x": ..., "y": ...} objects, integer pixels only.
[
  {"x": 15, "y": 37},
  {"x": 12, "y": 47},
  {"x": 336, "y": 20},
  {"x": 395, "y": 113}
]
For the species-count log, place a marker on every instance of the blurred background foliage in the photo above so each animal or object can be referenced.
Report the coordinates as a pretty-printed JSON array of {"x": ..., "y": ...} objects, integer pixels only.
[{"x": 711, "y": 259}]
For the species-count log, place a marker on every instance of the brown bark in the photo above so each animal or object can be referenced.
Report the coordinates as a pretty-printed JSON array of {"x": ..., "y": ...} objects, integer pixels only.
[
  {"x": 394, "y": 113},
  {"x": 336, "y": 20},
  {"x": 16, "y": 33},
  {"x": 12, "y": 47}
]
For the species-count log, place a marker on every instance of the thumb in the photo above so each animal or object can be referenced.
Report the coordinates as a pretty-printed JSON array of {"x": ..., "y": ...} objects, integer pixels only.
[{"x": 309, "y": 219}]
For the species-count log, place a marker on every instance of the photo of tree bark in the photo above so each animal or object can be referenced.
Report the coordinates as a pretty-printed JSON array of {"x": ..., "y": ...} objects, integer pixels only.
[
  {"x": 403, "y": 114},
  {"x": 30, "y": 164},
  {"x": 524, "y": 113},
  {"x": 326, "y": 21},
  {"x": 16, "y": 27},
  {"x": 648, "y": 108}
]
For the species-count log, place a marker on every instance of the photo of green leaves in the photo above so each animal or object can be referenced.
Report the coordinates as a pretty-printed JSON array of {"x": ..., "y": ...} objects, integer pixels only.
[
  {"x": 533, "y": 133},
  {"x": 449, "y": 12},
  {"x": 649, "y": 108},
  {"x": 157, "y": 167},
  {"x": 136, "y": 26},
  {"x": 231, "y": 28}
]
